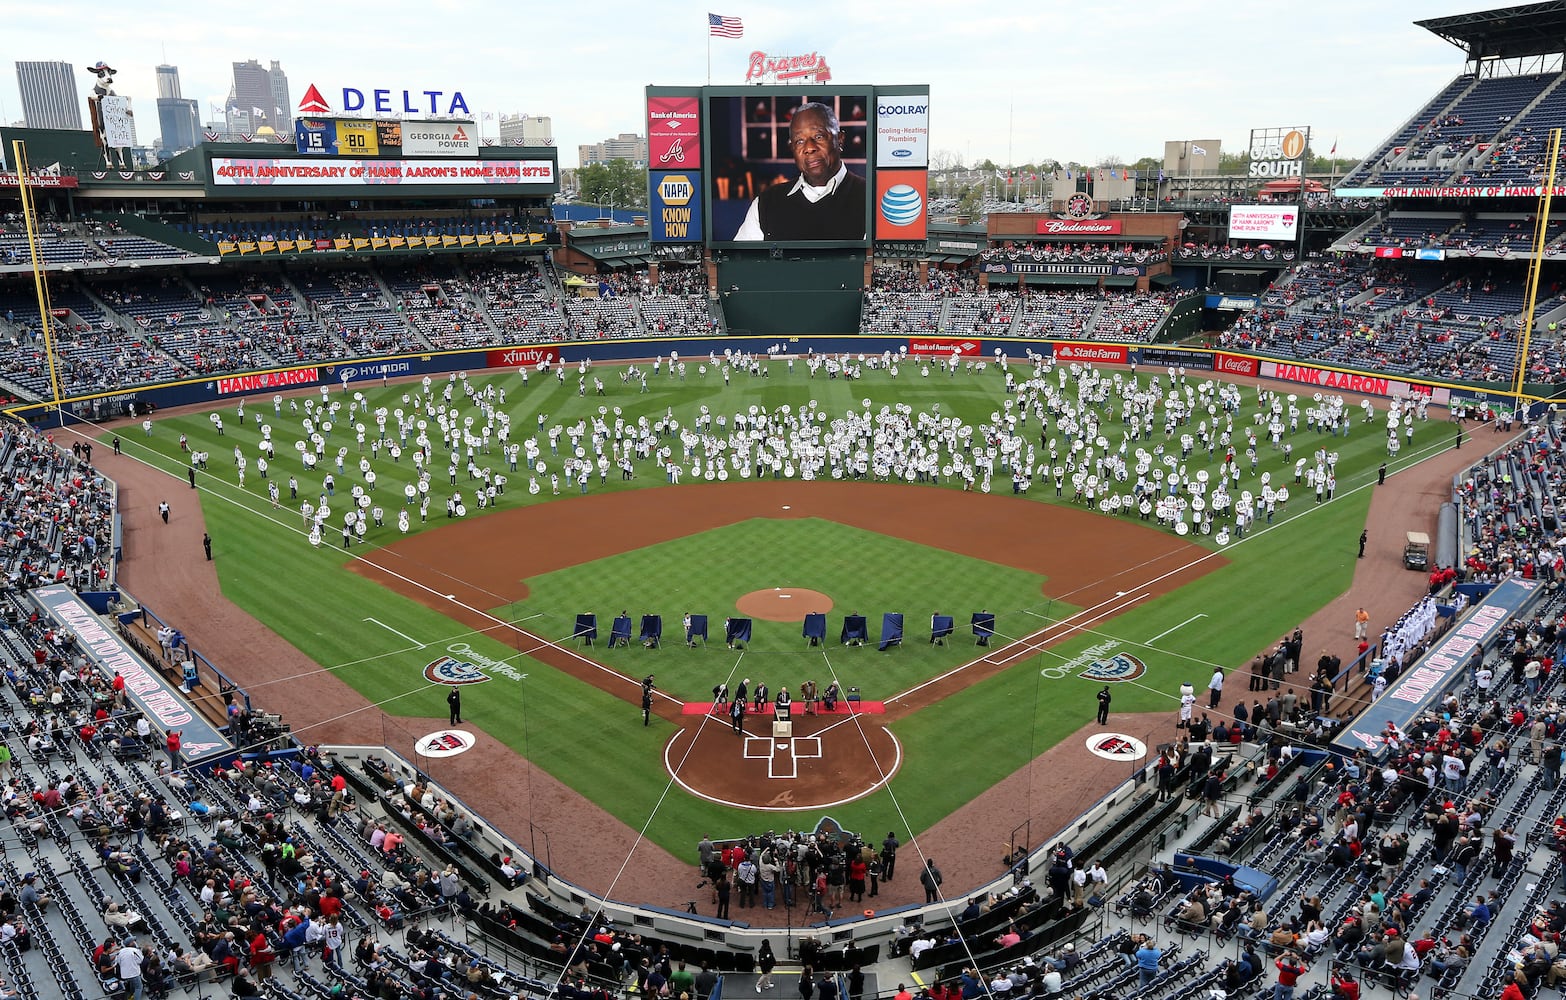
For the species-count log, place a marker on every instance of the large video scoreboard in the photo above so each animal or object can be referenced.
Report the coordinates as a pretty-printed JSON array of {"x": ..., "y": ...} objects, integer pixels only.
[{"x": 805, "y": 166}]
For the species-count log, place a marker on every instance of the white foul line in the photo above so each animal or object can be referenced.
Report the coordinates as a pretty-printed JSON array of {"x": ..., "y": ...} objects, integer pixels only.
[
  {"x": 416, "y": 643},
  {"x": 1168, "y": 630}
]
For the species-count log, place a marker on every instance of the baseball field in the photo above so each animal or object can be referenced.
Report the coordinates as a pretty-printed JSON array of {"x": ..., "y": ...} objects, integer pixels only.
[{"x": 492, "y": 596}]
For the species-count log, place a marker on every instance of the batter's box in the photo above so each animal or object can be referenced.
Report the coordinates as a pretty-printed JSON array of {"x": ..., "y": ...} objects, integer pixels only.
[{"x": 782, "y": 756}]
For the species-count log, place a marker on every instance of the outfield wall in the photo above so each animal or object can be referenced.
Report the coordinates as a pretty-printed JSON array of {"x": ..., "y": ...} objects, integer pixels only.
[{"x": 256, "y": 386}]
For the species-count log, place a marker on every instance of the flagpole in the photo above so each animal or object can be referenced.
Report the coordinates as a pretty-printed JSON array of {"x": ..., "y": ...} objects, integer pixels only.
[{"x": 709, "y": 51}]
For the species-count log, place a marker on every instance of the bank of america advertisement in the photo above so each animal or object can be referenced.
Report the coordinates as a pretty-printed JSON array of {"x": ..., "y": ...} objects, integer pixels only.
[
  {"x": 673, "y": 132},
  {"x": 676, "y": 207},
  {"x": 902, "y": 130},
  {"x": 900, "y": 197}
]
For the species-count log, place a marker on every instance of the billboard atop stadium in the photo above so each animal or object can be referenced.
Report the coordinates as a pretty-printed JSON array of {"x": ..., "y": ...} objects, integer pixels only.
[
  {"x": 800, "y": 164},
  {"x": 1279, "y": 152}
]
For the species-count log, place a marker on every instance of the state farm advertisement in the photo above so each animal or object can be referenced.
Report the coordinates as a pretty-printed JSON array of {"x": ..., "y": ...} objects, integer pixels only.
[
  {"x": 1114, "y": 354},
  {"x": 1077, "y": 227},
  {"x": 521, "y": 357},
  {"x": 1234, "y": 364},
  {"x": 1264, "y": 222},
  {"x": 673, "y": 132},
  {"x": 945, "y": 347}
]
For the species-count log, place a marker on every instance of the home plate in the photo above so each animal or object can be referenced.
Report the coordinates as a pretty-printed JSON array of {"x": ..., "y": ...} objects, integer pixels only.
[{"x": 787, "y": 507}]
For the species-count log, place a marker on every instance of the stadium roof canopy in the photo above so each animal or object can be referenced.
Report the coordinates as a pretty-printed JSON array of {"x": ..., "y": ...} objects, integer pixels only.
[{"x": 1535, "y": 29}]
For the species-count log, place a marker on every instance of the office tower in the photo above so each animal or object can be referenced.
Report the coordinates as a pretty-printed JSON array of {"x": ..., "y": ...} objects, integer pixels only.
[{"x": 49, "y": 98}]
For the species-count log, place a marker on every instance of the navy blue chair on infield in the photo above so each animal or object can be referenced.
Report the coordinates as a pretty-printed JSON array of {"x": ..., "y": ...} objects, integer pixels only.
[
  {"x": 696, "y": 630},
  {"x": 891, "y": 631},
  {"x": 815, "y": 629},
  {"x": 736, "y": 631},
  {"x": 940, "y": 627},
  {"x": 855, "y": 631},
  {"x": 586, "y": 629},
  {"x": 652, "y": 631},
  {"x": 983, "y": 627},
  {"x": 620, "y": 631}
]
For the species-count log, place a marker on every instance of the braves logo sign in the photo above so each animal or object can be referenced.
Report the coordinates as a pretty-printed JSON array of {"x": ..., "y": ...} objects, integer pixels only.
[
  {"x": 445, "y": 743},
  {"x": 449, "y": 670},
  {"x": 1120, "y": 667},
  {"x": 1116, "y": 746}
]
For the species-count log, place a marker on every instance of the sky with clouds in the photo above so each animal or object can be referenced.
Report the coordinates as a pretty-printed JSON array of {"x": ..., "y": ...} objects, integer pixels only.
[{"x": 1047, "y": 80}]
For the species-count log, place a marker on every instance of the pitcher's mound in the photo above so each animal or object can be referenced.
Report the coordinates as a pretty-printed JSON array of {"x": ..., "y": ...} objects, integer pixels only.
[{"x": 783, "y": 604}]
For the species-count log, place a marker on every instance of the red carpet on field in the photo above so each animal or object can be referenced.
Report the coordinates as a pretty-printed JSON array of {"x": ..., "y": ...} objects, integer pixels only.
[{"x": 843, "y": 708}]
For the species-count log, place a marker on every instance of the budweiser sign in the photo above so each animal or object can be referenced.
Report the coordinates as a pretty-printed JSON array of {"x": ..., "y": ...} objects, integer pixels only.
[{"x": 1078, "y": 227}]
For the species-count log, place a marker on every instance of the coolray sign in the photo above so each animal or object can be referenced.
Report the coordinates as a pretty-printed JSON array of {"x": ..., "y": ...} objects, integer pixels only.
[
  {"x": 1199, "y": 360},
  {"x": 1235, "y": 364},
  {"x": 902, "y": 130},
  {"x": 1106, "y": 353},
  {"x": 787, "y": 69},
  {"x": 518, "y": 357},
  {"x": 375, "y": 369},
  {"x": 1264, "y": 222},
  {"x": 1421, "y": 686},
  {"x": 676, "y": 208},
  {"x": 155, "y": 696},
  {"x": 267, "y": 380},
  {"x": 1370, "y": 385},
  {"x": 674, "y": 132},
  {"x": 440, "y": 139},
  {"x": 1077, "y": 227},
  {"x": 945, "y": 347},
  {"x": 387, "y": 101},
  {"x": 236, "y": 172}
]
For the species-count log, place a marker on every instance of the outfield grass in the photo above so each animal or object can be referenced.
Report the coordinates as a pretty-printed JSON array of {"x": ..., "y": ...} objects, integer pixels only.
[{"x": 1274, "y": 579}]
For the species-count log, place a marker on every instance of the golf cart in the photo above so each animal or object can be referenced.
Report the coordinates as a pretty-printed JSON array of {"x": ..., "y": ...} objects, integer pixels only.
[{"x": 1416, "y": 551}]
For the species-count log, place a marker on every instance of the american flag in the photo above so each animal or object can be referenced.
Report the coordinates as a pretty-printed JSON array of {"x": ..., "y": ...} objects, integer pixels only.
[{"x": 725, "y": 27}]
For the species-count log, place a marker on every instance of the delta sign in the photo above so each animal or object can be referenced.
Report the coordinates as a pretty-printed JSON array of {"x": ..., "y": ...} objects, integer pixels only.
[{"x": 387, "y": 101}]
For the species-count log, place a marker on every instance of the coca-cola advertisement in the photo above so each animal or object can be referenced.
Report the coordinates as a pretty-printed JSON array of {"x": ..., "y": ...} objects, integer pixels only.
[
  {"x": 1234, "y": 364},
  {"x": 1077, "y": 227}
]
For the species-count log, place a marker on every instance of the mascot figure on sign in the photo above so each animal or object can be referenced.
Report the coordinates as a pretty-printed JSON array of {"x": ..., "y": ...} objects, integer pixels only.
[{"x": 111, "y": 118}]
